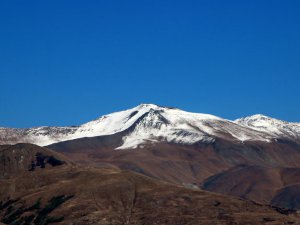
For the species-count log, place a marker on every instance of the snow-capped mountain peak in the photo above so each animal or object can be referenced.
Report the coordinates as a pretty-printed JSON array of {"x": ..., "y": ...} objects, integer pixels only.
[
  {"x": 150, "y": 123},
  {"x": 278, "y": 128}
]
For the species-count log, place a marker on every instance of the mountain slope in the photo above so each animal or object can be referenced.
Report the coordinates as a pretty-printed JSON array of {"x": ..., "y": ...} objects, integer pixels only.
[
  {"x": 276, "y": 185},
  {"x": 24, "y": 157},
  {"x": 258, "y": 163},
  {"x": 72, "y": 194}
]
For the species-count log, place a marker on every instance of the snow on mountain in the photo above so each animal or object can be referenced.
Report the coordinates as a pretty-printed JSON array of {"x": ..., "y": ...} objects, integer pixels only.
[
  {"x": 270, "y": 125},
  {"x": 177, "y": 126},
  {"x": 149, "y": 123}
]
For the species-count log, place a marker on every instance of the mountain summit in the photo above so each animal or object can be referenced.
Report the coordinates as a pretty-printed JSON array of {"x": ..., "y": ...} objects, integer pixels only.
[
  {"x": 272, "y": 126},
  {"x": 149, "y": 123}
]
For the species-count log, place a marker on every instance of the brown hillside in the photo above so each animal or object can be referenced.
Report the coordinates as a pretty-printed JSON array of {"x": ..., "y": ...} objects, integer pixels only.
[
  {"x": 70, "y": 194},
  {"x": 253, "y": 170}
]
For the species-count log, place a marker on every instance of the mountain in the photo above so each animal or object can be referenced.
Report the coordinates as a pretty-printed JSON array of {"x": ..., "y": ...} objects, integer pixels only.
[
  {"x": 272, "y": 126},
  {"x": 69, "y": 193},
  {"x": 256, "y": 157},
  {"x": 151, "y": 123}
]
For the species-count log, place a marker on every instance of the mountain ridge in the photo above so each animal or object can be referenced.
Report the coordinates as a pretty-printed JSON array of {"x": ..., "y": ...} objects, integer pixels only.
[{"x": 168, "y": 123}]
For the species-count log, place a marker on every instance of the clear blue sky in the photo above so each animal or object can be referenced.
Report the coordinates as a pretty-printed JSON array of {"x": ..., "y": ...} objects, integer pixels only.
[{"x": 67, "y": 62}]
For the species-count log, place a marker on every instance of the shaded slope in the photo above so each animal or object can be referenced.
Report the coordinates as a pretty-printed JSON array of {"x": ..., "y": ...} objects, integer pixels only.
[
  {"x": 275, "y": 185},
  {"x": 288, "y": 197}
]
